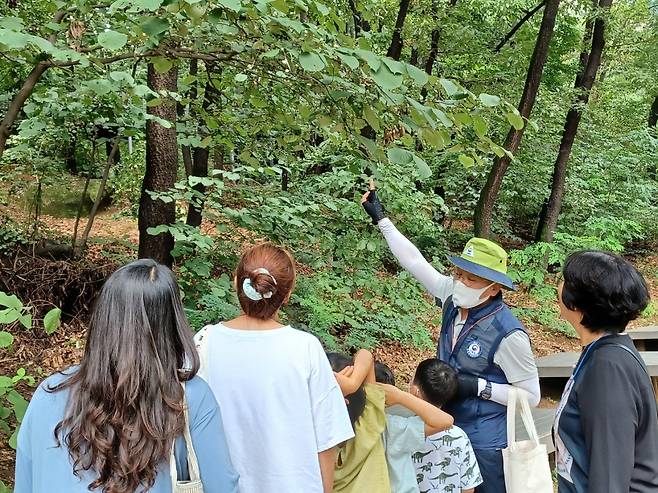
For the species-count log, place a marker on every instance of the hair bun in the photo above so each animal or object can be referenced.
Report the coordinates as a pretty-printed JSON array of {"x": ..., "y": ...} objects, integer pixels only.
[{"x": 263, "y": 283}]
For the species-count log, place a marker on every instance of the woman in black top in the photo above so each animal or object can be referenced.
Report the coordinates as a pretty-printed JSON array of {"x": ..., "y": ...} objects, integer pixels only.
[{"x": 606, "y": 428}]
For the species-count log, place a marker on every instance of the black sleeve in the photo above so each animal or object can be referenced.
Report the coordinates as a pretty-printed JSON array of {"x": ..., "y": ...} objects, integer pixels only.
[{"x": 609, "y": 417}]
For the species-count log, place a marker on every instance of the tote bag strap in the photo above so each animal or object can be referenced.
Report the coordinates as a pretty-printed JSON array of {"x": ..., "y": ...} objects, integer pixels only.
[
  {"x": 192, "y": 462},
  {"x": 520, "y": 395}
]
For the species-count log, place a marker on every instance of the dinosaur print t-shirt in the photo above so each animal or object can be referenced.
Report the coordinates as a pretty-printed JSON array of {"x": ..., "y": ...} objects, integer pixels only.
[{"x": 447, "y": 463}]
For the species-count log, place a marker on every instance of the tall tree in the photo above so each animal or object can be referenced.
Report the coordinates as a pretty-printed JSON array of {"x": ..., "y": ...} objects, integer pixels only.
[
  {"x": 589, "y": 66},
  {"x": 26, "y": 89},
  {"x": 161, "y": 170},
  {"x": 485, "y": 205},
  {"x": 201, "y": 155},
  {"x": 653, "y": 121},
  {"x": 653, "y": 113},
  {"x": 395, "y": 49}
]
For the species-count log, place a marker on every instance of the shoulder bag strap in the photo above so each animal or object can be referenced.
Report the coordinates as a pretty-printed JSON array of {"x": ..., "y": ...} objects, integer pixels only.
[{"x": 192, "y": 462}]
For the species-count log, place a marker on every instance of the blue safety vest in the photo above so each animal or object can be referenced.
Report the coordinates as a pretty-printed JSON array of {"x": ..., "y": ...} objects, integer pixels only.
[{"x": 484, "y": 421}]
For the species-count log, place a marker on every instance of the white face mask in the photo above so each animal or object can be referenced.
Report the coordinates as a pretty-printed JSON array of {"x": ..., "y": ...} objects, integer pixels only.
[{"x": 465, "y": 297}]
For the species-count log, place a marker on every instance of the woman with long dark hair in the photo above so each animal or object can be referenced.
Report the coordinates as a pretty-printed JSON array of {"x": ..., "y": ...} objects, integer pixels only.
[{"x": 109, "y": 424}]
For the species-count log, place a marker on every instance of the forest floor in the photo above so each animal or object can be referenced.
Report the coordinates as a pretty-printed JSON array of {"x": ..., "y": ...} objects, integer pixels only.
[{"x": 114, "y": 237}]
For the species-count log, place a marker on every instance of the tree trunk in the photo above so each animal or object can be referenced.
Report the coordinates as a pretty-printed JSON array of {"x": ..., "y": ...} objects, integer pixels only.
[
  {"x": 200, "y": 158},
  {"x": 161, "y": 171},
  {"x": 186, "y": 150},
  {"x": 395, "y": 50},
  {"x": 583, "y": 85},
  {"x": 653, "y": 113},
  {"x": 413, "y": 59},
  {"x": 79, "y": 247},
  {"x": 360, "y": 24},
  {"x": 653, "y": 121},
  {"x": 431, "y": 58},
  {"x": 200, "y": 169},
  {"x": 488, "y": 195},
  {"x": 70, "y": 161},
  {"x": 25, "y": 91}
]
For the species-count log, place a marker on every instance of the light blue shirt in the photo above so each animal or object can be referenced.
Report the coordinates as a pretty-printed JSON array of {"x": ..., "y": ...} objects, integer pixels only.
[
  {"x": 42, "y": 467},
  {"x": 404, "y": 435}
]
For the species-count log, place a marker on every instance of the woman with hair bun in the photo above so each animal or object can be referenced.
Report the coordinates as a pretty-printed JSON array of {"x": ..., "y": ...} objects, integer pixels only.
[{"x": 283, "y": 411}]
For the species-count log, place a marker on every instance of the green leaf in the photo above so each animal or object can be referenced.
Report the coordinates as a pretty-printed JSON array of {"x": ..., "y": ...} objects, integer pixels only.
[
  {"x": 161, "y": 64},
  {"x": 371, "y": 117},
  {"x": 499, "y": 151},
  {"x": 19, "y": 403},
  {"x": 13, "y": 40},
  {"x": 121, "y": 76},
  {"x": 322, "y": 8},
  {"x": 387, "y": 79},
  {"x": 373, "y": 61},
  {"x": 240, "y": 77},
  {"x": 436, "y": 138},
  {"x": 13, "y": 440},
  {"x": 489, "y": 100},
  {"x": 515, "y": 120},
  {"x": 151, "y": 5},
  {"x": 10, "y": 301},
  {"x": 155, "y": 26},
  {"x": 424, "y": 170},
  {"x": 6, "y": 382},
  {"x": 233, "y": 5},
  {"x": 467, "y": 161},
  {"x": 399, "y": 156},
  {"x": 419, "y": 76},
  {"x": 450, "y": 87},
  {"x": 6, "y": 339},
  {"x": 52, "y": 320},
  {"x": 394, "y": 66},
  {"x": 9, "y": 315},
  {"x": 112, "y": 40},
  {"x": 13, "y": 23},
  {"x": 349, "y": 60},
  {"x": 480, "y": 125},
  {"x": 26, "y": 321},
  {"x": 311, "y": 62}
]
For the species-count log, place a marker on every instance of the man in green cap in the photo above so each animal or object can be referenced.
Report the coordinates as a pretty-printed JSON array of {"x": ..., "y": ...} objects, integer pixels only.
[{"x": 480, "y": 338}]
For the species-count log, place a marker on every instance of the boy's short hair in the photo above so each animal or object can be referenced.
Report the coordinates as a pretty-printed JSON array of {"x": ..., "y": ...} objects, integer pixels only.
[
  {"x": 383, "y": 374},
  {"x": 436, "y": 380},
  {"x": 356, "y": 402}
]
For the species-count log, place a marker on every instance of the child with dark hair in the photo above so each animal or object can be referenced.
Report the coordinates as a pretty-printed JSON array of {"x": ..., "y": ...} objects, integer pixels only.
[
  {"x": 409, "y": 419},
  {"x": 361, "y": 462},
  {"x": 446, "y": 462}
]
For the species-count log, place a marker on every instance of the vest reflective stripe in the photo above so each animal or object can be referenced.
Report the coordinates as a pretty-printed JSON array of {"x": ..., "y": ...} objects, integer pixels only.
[{"x": 485, "y": 422}]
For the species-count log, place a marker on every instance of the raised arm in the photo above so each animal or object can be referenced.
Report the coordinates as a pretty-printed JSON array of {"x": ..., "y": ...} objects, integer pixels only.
[
  {"x": 435, "y": 420},
  {"x": 405, "y": 252},
  {"x": 352, "y": 377}
]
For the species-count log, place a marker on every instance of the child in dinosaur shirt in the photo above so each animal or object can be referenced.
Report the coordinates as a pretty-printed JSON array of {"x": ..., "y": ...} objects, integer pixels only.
[
  {"x": 446, "y": 463},
  {"x": 409, "y": 420}
]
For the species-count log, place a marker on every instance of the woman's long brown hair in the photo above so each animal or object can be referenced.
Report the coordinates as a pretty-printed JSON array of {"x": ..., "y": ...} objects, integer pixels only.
[{"x": 125, "y": 404}]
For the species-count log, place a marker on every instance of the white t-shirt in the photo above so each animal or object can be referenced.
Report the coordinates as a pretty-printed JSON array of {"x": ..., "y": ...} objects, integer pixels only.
[
  {"x": 447, "y": 463},
  {"x": 280, "y": 404}
]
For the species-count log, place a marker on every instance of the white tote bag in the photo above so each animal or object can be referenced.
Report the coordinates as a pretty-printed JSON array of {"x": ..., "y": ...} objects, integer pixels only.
[
  {"x": 525, "y": 462},
  {"x": 194, "y": 484}
]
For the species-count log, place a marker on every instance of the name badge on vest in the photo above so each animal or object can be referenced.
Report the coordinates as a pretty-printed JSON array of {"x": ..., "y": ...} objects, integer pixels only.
[{"x": 473, "y": 348}]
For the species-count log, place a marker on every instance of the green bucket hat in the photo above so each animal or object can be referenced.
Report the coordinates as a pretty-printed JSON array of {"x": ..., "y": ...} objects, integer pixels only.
[{"x": 485, "y": 259}]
